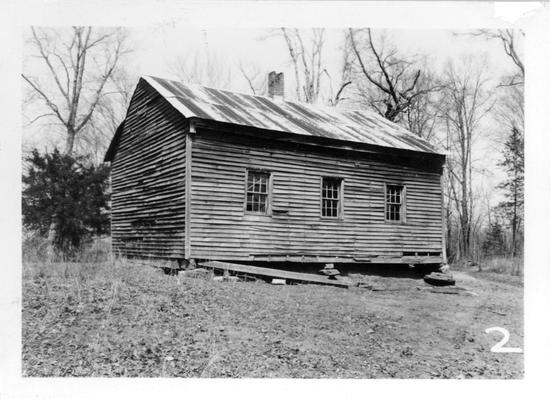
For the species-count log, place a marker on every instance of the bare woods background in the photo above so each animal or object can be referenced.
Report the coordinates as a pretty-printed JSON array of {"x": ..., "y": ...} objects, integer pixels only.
[{"x": 78, "y": 83}]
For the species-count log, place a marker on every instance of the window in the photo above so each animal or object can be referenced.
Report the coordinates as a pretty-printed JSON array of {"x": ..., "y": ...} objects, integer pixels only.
[
  {"x": 331, "y": 199},
  {"x": 394, "y": 203},
  {"x": 257, "y": 192}
]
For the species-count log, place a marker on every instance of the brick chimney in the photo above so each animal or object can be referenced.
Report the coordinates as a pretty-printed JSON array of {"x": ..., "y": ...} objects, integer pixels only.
[{"x": 276, "y": 85}]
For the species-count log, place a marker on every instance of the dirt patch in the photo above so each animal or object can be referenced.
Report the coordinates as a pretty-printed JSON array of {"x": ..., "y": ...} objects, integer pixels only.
[
  {"x": 463, "y": 278},
  {"x": 123, "y": 320}
]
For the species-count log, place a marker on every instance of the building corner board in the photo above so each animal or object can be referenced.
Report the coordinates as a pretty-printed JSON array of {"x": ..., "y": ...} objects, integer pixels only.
[{"x": 188, "y": 185}]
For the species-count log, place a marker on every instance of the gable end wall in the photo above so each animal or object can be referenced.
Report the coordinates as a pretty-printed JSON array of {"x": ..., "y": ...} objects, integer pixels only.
[{"x": 148, "y": 180}]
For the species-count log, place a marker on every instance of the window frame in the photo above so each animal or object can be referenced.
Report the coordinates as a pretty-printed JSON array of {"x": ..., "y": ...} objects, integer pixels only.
[
  {"x": 402, "y": 209},
  {"x": 268, "y": 209},
  {"x": 340, "y": 209}
]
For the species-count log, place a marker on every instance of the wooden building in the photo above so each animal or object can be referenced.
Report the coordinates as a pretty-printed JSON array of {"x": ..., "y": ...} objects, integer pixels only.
[{"x": 206, "y": 174}]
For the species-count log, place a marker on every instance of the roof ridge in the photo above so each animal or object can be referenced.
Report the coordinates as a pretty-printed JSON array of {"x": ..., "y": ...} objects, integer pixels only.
[{"x": 303, "y": 103}]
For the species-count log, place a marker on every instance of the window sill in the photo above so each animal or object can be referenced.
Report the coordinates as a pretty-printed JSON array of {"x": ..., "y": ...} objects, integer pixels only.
[
  {"x": 395, "y": 222},
  {"x": 332, "y": 219}
]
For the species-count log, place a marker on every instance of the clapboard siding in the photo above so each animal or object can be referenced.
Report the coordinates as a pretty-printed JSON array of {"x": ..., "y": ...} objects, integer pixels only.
[
  {"x": 221, "y": 229},
  {"x": 148, "y": 180}
]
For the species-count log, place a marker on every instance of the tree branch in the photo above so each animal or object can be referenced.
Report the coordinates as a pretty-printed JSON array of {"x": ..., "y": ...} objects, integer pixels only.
[
  {"x": 294, "y": 59},
  {"x": 40, "y": 116},
  {"x": 391, "y": 89},
  {"x": 98, "y": 93},
  {"x": 49, "y": 64},
  {"x": 342, "y": 87},
  {"x": 49, "y": 103},
  {"x": 363, "y": 68}
]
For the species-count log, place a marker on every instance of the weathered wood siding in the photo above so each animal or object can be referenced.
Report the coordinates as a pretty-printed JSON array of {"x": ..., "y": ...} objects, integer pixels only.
[
  {"x": 221, "y": 229},
  {"x": 148, "y": 180}
]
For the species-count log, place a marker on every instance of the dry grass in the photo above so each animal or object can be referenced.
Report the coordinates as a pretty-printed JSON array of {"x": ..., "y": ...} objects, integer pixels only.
[
  {"x": 496, "y": 269},
  {"x": 503, "y": 265},
  {"x": 36, "y": 249},
  {"x": 119, "y": 319}
]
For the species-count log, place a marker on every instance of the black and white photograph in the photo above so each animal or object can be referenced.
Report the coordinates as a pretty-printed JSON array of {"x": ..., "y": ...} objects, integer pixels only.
[{"x": 299, "y": 196}]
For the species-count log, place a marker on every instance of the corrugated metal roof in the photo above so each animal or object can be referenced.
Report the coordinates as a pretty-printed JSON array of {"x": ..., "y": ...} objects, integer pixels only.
[{"x": 286, "y": 116}]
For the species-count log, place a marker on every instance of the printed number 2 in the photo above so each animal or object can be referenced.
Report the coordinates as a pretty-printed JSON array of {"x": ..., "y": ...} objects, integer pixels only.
[{"x": 499, "y": 347}]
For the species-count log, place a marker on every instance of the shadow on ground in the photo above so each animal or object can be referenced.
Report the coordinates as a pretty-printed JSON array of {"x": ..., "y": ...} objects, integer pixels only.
[{"x": 376, "y": 270}]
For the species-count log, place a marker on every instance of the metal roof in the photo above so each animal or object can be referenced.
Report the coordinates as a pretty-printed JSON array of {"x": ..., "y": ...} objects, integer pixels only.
[{"x": 286, "y": 116}]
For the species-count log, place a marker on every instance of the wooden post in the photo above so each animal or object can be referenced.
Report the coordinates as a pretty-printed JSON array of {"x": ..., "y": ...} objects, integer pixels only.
[{"x": 188, "y": 186}]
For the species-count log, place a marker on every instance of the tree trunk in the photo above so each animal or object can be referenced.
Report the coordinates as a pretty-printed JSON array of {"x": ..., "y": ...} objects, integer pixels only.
[
  {"x": 69, "y": 144},
  {"x": 514, "y": 217},
  {"x": 465, "y": 212},
  {"x": 51, "y": 238}
]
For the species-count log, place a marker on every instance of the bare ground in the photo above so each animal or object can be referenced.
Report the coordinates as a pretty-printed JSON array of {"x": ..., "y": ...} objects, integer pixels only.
[{"x": 127, "y": 320}]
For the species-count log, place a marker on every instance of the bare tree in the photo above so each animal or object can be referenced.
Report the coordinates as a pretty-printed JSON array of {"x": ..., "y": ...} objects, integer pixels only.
[
  {"x": 306, "y": 50},
  {"x": 511, "y": 41},
  {"x": 513, "y": 163},
  {"x": 392, "y": 83},
  {"x": 422, "y": 116},
  {"x": 346, "y": 70},
  {"x": 203, "y": 68},
  {"x": 254, "y": 77},
  {"x": 510, "y": 115},
  {"x": 510, "y": 110},
  {"x": 78, "y": 66},
  {"x": 109, "y": 114},
  {"x": 465, "y": 103},
  {"x": 307, "y": 61}
]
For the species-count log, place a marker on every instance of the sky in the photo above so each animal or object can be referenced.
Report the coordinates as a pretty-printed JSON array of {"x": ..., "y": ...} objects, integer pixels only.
[{"x": 158, "y": 48}]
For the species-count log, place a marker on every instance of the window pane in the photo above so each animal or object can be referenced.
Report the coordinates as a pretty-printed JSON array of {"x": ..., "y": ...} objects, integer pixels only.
[
  {"x": 262, "y": 198},
  {"x": 330, "y": 194},
  {"x": 257, "y": 192},
  {"x": 394, "y": 200}
]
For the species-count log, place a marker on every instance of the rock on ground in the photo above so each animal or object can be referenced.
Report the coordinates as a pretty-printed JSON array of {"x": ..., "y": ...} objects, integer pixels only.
[{"x": 439, "y": 279}]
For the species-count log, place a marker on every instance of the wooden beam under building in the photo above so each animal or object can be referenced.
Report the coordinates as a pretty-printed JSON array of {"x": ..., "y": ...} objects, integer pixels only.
[{"x": 274, "y": 273}]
